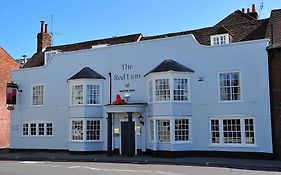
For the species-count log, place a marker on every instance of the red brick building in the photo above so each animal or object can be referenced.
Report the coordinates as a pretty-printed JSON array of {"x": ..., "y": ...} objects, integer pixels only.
[{"x": 7, "y": 64}]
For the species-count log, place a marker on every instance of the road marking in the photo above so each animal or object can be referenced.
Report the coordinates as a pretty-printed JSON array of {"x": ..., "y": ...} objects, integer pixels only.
[
  {"x": 30, "y": 162},
  {"x": 124, "y": 170}
]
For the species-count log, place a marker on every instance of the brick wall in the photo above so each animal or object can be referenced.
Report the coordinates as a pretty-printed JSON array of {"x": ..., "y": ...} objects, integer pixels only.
[
  {"x": 275, "y": 97},
  {"x": 6, "y": 65}
]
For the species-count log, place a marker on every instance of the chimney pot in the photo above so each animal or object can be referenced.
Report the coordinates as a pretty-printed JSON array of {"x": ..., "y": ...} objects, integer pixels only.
[
  {"x": 42, "y": 26},
  {"x": 243, "y": 10},
  {"x": 253, "y": 8},
  {"x": 248, "y": 10},
  {"x": 46, "y": 28}
]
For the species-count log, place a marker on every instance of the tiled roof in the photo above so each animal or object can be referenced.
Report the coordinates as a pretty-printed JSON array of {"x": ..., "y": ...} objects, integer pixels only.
[
  {"x": 170, "y": 65},
  {"x": 241, "y": 26},
  {"x": 86, "y": 73},
  {"x": 38, "y": 58}
]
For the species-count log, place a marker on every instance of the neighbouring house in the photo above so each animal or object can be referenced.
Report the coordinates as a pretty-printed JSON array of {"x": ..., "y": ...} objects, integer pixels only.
[
  {"x": 7, "y": 64},
  {"x": 196, "y": 92}
]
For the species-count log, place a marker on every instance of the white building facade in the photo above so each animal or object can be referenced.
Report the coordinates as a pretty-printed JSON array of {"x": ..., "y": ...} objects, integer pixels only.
[{"x": 180, "y": 97}]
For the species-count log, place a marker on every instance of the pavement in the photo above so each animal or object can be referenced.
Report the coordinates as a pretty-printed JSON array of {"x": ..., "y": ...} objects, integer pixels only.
[{"x": 64, "y": 156}]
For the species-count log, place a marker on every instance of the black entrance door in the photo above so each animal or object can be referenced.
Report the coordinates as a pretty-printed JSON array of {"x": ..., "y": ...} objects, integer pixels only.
[{"x": 125, "y": 137}]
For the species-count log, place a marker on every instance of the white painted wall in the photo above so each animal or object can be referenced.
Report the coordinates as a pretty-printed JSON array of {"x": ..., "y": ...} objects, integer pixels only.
[{"x": 250, "y": 58}]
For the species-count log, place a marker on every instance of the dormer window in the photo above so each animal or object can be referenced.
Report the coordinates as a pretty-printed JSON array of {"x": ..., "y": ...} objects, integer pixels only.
[
  {"x": 219, "y": 39},
  {"x": 86, "y": 88}
]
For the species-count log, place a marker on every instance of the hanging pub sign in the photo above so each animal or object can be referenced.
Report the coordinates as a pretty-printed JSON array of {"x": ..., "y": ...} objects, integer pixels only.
[{"x": 11, "y": 93}]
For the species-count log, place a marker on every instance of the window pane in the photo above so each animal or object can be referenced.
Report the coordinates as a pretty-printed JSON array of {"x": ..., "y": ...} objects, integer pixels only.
[
  {"x": 151, "y": 128},
  {"x": 93, "y": 94},
  {"x": 215, "y": 131},
  {"x": 232, "y": 131}
]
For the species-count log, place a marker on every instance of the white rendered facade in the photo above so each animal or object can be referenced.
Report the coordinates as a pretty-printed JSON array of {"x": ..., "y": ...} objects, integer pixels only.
[{"x": 222, "y": 106}]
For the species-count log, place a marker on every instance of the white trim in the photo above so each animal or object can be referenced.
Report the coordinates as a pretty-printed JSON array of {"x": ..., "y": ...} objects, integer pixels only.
[{"x": 227, "y": 39}]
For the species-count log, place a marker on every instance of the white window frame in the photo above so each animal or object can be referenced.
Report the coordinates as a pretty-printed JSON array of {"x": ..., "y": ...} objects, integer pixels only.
[
  {"x": 85, "y": 84},
  {"x": 43, "y": 95},
  {"x": 189, "y": 130},
  {"x": 240, "y": 87},
  {"x": 219, "y": 39},
  {"x": 37, "y": 128},
  {"x": 242, "y": 130},
  {"x": 84, "y": 129},
  {"x": 171, "y": 76},
  {"x": 172, "y": 129}
]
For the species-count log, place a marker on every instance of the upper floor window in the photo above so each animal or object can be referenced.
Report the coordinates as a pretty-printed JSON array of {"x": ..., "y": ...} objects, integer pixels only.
[
  {"x": 77, "y": 94},
  {"x": 168, "y": 89},
  {"x": 93, "y": 94},
  {"x": 230, "y": 86},
  {"x": 86, "y": 93},
  {"x": 180, "y": 89},
  {"x": 162, "y": 90},
  {"x": 219, "y": 39},
  {"x": 37, "y": 95}
]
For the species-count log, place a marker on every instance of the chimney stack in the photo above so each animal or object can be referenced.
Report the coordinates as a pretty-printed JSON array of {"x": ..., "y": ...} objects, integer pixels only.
[
  {"x": 248, "y": 10},
  {"x": 243, "y": 10},
  {"x": 46, "y": 28},
  {"x": 43, "y": 38},
  {"x": 42, "y": 25},
  {"x": 253, "y": 8}
]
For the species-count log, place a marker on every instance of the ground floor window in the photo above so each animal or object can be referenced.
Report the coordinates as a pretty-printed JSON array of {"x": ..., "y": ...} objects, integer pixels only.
[
  {"x": 236, "y": 130},
  {"x": 37, "y": 128},
  {"x": 168, "y": 130},
  {"x": 163, "y": 130},
  {"x": 91, "y": 128},
  {"x": 181, "y": 130}
]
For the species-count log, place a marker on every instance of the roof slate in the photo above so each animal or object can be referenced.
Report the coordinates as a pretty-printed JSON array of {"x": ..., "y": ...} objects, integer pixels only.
[
  {"x": 170, "y": 65},
  {"x": 86, "y": 73}
]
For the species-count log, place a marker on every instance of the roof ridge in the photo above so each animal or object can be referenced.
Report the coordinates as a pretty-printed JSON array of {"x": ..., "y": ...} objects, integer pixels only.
[{"x": 94, "y": 40}]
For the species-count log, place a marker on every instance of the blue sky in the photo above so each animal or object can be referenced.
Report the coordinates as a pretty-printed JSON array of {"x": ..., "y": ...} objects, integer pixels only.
[{"x": 82, "y": 20}]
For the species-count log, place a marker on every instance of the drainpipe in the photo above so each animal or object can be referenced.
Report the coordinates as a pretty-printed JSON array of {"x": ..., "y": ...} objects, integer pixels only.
[{"x": 110, "y": 88}]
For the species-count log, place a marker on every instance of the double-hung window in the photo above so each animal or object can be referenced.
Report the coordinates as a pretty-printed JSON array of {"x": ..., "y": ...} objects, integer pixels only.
[
  {"x": 77, "y": 130},
  {"x": 34, "y": 128},
  {"x": 181, "y": 130},
  {"x": 163, "y": 130},
  {"x": 93, "y": 94},
  {"x": 230, "y": 89},
  {"x": 77, "y": 94},
  {"x": 37, "y": 95},
  {"x": 180, "y": 89},
  {"x": 93, "y": 130},
  {"x": 162, "y": 89}
]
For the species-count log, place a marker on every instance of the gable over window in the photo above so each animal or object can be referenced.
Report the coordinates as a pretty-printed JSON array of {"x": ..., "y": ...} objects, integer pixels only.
[
  {"x": 169, "y": 81},
  {"x": 86, "y": 87}
]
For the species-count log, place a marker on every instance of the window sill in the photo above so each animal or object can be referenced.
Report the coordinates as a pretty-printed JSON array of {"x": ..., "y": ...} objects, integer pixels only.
[
  {"x": 39, "y": 136},
  {"x": 37, "y": 106},
  {"x": 86, "y": 105},
  {"x": 85, "y": 141},
  {"x": 234, "y": 145},
  {"x": 181, "y": 142},
  {"x": 159, "y": 102},
  {"x": 231, "y": 101}
]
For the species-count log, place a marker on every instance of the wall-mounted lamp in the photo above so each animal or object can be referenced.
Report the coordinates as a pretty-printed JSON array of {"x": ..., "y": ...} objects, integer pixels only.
[{"x": 141, "y": 119}]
